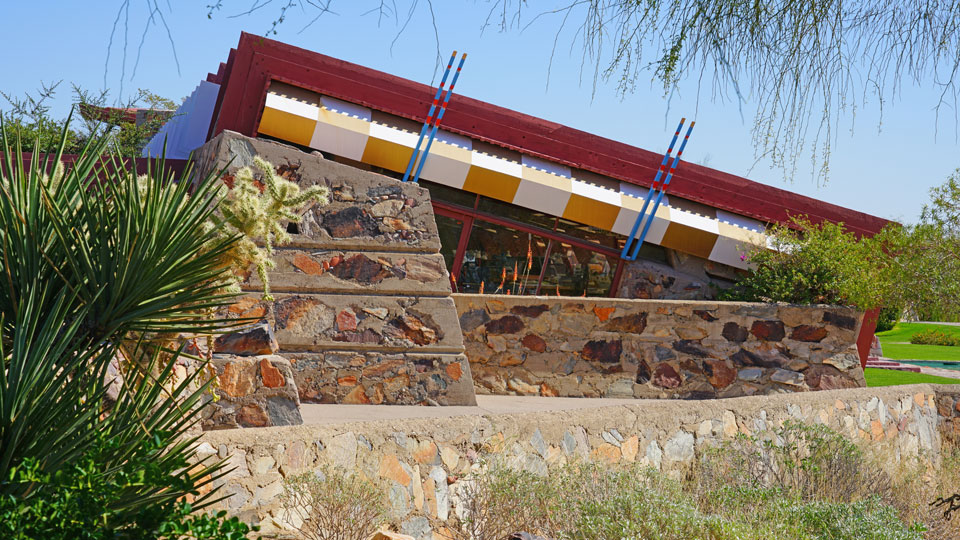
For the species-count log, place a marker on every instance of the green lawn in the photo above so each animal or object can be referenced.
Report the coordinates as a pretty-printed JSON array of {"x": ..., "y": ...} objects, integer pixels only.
[
  {"x": 896, "y": 343},
  {"x": 904, "y": 331},
  {"x": 890, "y": 377}
]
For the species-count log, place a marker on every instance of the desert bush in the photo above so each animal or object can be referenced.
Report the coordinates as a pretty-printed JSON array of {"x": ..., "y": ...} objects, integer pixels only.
[
  {"x": 97, "y": 260},
  {"x": 812, "y": 462},
  {"x": 592, "y": 502},
  {"x": 935, "y": 337},
  {"x": 332, "y": 504}
]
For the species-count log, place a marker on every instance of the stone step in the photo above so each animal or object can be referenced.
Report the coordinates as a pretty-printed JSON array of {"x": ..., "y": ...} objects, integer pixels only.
[
  {"x": 369, "y": 273},
  {"x": 319, "y": 322},
  {"x": 382, "y": 378}
]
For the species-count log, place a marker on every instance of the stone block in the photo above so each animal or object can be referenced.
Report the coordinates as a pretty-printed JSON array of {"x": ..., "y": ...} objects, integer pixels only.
[
  {"x": 254, "y": 391},
  {"x": 367, "y": 211}
]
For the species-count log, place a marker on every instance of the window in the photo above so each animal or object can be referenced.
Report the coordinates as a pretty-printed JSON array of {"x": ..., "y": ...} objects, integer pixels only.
[
  {"x": 501, "y": 260},
  {"x": 575, "y": 271}
]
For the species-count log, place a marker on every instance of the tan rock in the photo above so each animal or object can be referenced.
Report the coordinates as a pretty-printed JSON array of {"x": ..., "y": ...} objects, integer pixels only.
[
  {"x": 390, "y": 468},
  {"x": 690, "y": 332},
  {"x": 357, "y": 396},
  {"x": 237, "y": 379},
  {"x": 630, "y": 447},
  {"x": 425, "y": 453},
  {"x": 607, "y": 453},
  {"x": 450, "y": 457}
]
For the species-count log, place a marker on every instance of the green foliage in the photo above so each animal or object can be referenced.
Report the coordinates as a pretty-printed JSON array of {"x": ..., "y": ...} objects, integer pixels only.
[
  {"x": 97, "y": 261},
  {"x": 935, "y": 337},
  {"x": 79, "y": 501},
  {"x": 888, "y": 318},
  {"x": 29, "y": 118},
  {"x": 816, "y": 264},
  {"x": 331, "y": 504},
  {"x": 927, "y": 256},
  {"x": 254, "y": 210}
]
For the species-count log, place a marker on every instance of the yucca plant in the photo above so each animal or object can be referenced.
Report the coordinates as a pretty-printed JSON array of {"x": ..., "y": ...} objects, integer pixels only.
[{"x": 96, "y": 260}]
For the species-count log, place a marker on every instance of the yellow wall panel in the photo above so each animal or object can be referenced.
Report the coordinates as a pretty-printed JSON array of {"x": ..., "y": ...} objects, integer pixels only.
[
  {"x": 689, "y": 240},
  {"x": 496, "y": 185},
  {"x": 386, "y": 154},
  {"x": 591, "y": 212},
  {"x": 286, "y": 126}
]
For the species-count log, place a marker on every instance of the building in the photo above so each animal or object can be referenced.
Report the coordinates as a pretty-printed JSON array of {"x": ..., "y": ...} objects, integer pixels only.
[{"x": 523, "y": 205}]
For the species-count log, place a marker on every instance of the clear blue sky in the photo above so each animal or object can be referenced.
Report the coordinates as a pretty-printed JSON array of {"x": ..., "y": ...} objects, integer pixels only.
[{"x": 886, "y": 173}]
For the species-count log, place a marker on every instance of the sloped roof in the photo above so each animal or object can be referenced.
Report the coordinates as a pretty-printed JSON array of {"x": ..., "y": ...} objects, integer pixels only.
[{"x": 256, "y": 61}]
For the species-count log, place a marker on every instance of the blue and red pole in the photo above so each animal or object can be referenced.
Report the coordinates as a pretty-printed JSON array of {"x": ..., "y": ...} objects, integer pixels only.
[
  {"x": 436, "y": 123},
  {"x": 426, "y": 124}
]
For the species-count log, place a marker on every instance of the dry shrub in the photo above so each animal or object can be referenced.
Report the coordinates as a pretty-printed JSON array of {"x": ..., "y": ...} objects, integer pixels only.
[
  {"x": 811, "y": 462},
  {"x": 331, "y": 504}
]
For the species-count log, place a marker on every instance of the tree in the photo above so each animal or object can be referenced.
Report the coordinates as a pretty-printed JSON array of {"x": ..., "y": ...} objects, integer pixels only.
[
  {"x": 805, "y": 63},
  {"x": 30, "y": 117}
]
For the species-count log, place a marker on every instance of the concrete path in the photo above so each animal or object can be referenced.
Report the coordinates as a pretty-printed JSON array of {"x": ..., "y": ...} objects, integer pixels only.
[{"x": 314, "y": 414}]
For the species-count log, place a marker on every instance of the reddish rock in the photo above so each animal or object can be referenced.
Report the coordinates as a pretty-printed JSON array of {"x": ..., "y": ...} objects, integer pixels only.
[
  {"x": 346, "y": 320},
  {"x": 530, "y": 311},
  {"x": 361, "y": 269},
  {"x": 383, "y": 368},
  {"x": 635, "y": 323},
  {"x": 824, "y": 377},
  {"x": 603, "y": 313},
  {"x": 454, "y": 371},
  {"x": 247, "y": 307},
  {"x": 305, "y": 264},
  {"x": 534, "y": 343},
  {"x": 252, "y": 415},
  {"x": 367, "y": 336},
  {"x": 348, "y": 380},
  {"x": 665, "y": 376},
  {"x": 357, "y": 396},
  {"x": 251, "y": 341},
  {"x": 705, "y": 315},
  {"x": 719, "y": 372},
  {"x": 691, "y": 347},
  {"x": 548, "y": 391},
  {"x": 605, "y": 352},
  {"x": 734, "y": 332},
  {"x": 291, "y": 309},
  {"x": 768, "y": 330},
  {"x": 397, "y": 224},
  {"x": 425, "y": 270},
  {"x": 643, "y": 372},
  {"x": 416, "y": 329},
  {"x": 505, "y": 325},
  {"x": 806, "y": 332},
  {"x": 350, "y": 222},
  {"x": 272, "y": 378},
  {"x": 237, "y": 379}
]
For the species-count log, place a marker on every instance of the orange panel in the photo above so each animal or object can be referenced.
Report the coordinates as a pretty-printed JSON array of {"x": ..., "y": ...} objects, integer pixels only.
[
  {"x": 493, "y": 184},
  {"x": 386, "y": 154},
  {"x": 591, "y": 212},
  {"x": 689, "y": 240},
  {"x": 287, "y": 127}
]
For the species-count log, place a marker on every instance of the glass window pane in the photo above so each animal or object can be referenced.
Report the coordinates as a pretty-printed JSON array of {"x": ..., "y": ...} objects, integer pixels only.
[
  {"x": 574, "y": 271},
  {"x": 449, "y": 230},
  {"x": 516, "y": 213},
  {"x": 501, "y": 260},
  {"x": 447, "y": 194}
]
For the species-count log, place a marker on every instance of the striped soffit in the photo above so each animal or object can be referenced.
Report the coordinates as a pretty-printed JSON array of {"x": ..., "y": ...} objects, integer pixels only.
[{"x": 344, "y": 129}]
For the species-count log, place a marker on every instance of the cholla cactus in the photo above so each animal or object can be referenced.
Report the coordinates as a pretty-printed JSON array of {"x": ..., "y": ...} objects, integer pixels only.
[{"x": 255, "y": 210}]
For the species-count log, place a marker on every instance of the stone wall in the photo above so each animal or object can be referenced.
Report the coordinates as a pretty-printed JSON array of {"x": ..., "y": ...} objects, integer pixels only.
[
  {"x": 587, "y": 347},
  {"x": 422, "y": 463},
  {"x": 362, "y": 304}
]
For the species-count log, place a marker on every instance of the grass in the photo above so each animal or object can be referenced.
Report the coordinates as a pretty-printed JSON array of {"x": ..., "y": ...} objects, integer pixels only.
[
  {"x": 896, "y": 343},
  {"x": 902, "y": 332},
  {"x": 890, "y": 377}
]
